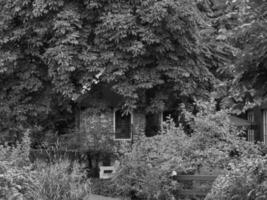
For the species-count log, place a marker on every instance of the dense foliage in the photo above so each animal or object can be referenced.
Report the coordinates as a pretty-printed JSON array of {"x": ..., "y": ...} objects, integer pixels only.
[
  {"x": 242, "y": 24},
  {"x": 213, "y": 144},
  {"x": 151, "y": 52},
  {"x": 251, "y": 38},
  {"x": 52, "y": 52},
  {"x": 15, "y": 182},
  {"x": 246, "y": 180}
]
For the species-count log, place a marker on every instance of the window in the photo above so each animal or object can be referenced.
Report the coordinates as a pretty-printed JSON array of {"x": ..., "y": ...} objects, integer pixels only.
[
  {"x": 250, "y": 116},
  {"x": 171, "y": 114},
  {"x": 122, "y": 125},
  {"x": 251, "y": 132},
  {"x": 153, "y": 124},
  {"x": 251, "y": 135}
]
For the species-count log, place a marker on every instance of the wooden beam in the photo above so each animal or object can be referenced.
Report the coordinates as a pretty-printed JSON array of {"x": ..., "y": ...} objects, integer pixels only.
[{"x": 196, "y": 177}]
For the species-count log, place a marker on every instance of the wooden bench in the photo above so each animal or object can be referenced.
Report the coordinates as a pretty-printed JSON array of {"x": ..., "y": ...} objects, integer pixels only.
[{"x": 195, "y": 183}]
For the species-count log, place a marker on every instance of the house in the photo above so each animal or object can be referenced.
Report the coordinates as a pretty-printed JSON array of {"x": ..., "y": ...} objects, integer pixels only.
[
  {"x": 99, "y": 116},
  {"x": 103, "y": 125}
]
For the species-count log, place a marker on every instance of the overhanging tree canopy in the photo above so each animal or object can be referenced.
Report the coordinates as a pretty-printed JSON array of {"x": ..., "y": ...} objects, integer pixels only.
[
  {"x": 251, "y": 67},
  {"x": 245, "y": 23},
  {"x": 53, "y": 51}
]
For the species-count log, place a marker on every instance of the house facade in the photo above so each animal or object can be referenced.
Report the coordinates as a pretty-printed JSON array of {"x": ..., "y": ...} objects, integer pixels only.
[
  {"x": 123, "y": 129},
  {"x": 100, "y": 118}
]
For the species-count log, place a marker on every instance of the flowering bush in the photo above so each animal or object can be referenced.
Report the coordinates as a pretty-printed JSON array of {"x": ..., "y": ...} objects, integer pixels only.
[
  {"x": 215, "y": 141},
  {"x": 245, "y": 181},
  {"x": 145, "y": 172}
]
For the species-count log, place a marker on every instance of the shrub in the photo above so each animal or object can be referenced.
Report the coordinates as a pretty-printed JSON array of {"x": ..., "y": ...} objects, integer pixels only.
[
  {"x": 146, "y": 171},
  {"x": 20, "y": 179},
  {"x": 15, "y": 170},
  {"x": 18, "y": 154},
  {"x": 246, "y": 181},
  {"x": 214, "y": 142},
  {"x": 15, "y": 182}
]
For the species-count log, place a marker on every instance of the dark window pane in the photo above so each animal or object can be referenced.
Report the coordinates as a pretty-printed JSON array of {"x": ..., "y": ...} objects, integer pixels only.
[
  {"x": 122, "y": 125},
  {"x": 153, "y": 124},
  {"x": 174, "y": 115}
]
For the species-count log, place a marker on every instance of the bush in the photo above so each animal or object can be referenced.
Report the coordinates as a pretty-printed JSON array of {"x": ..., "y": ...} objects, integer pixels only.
[
  {"x": 15, "y": 170},
  {"x": 20, "y": 179},
  {"x": 246, "y": 181},
  {"x": 17, "y": 155},
  {"x": 213, "y": 143},
  {"x": 146, "y": 171},
  {"x": 15, "y": 182}
]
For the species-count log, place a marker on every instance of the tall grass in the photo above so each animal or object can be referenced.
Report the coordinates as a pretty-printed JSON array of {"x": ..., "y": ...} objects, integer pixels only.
[{"x": 62, "y": 180}]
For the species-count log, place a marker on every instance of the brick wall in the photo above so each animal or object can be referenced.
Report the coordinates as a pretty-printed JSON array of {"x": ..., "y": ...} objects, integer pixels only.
[{"x": 99, "y": 126}]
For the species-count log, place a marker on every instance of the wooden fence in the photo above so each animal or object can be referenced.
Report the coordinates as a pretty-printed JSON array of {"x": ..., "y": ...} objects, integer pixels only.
[{"x": 195, "y": 186}]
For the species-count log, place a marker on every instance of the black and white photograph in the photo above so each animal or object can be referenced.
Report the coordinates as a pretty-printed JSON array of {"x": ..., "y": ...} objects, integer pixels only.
[{"x": 133, "y": 99}]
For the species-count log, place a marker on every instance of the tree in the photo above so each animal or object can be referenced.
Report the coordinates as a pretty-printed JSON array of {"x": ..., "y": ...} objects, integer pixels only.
[
  {"x": 52, "y": 52},
  {"x": 244, "y": 26},
  {"x": 251, "y": 66}
]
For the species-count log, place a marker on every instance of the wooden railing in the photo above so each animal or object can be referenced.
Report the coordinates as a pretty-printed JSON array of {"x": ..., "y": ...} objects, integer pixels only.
[{"x": 196, "y": 186}]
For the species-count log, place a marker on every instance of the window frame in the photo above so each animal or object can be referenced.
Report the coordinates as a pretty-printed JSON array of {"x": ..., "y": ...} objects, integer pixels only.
[
  {"x": 250, "y": 131},
  {"x": 264, "y": 126},
  {"x": 250, "y": 116},
  {"x": 251, "y": 135},
  {"x": 114, "y": 126}
]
